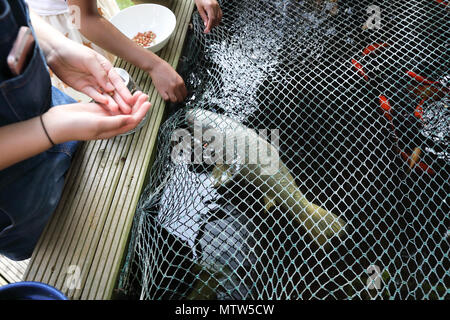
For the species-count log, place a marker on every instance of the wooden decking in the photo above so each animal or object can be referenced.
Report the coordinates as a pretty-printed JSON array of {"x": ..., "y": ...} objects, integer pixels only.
[
  {"x": 82, "y": 249},
  {"x": 11, "y": 271}
]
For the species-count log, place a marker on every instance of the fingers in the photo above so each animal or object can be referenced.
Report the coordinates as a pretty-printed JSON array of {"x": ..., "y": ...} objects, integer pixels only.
[
  {"x": 203, "y": 15},
  {"x": 168, "y": 82},
  {"x": 123, "y": 106},
  {"x": 111, "y": 105},
  {"x": 114, "y": 104},
  {"x": 142, "y": 111},
  {"x": 178, "y": 94},
  {"x": 95, "y": 95},
  {"x": 173, "y": 97},
  {"x": 141, "y": 98},
  {"x": 208, "y": 25},
  {"x": 178, "y": 90},
  {"x": 182, "y": 92},
  {"x": 165, "y": 96},
  {"x": 135, "y": 98},
  {"x": 174, "y": 92},
  {"x": 215, "y": 15},
  {"x": 120, "y": 97},
  {"x": 211, "y": 14},
  {"x": 99, "y": 67},
  {"x": 119, "y": 124}
]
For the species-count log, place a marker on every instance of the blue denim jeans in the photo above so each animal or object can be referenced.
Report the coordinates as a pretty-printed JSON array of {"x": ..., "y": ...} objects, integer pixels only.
[{"x": 29, "y": 190}]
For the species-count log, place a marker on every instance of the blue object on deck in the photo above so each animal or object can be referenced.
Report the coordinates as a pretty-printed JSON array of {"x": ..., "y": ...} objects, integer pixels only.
[{"x": 30, "y": 290}]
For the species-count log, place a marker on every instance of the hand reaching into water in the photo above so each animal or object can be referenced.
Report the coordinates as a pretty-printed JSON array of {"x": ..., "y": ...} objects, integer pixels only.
[
  {"x": 210, "y": 12},
  {"x": 168, "y": 82}
]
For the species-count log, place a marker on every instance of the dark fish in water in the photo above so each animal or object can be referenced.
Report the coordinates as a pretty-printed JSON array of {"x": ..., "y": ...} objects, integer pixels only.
[
  {"x": 429, "y": 91},
  {"x": 225, "y": 251},
  {"x": 209, "y": 280},
  {"x": 278, "y": 187}
]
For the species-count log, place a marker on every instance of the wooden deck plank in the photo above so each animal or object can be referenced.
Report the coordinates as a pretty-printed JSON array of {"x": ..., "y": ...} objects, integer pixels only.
[
  {"x": 3, "y": 281},
  {"x": 113, "y": 241},
  {"x": 61, "y": 224},
  {"x": 77, "y": 177},
  {"x": 12, "y": 271},
  {"x": 116, "y": 229},
  {"x": 79, "y": 248},
  {"x": 91, "y": 226}
]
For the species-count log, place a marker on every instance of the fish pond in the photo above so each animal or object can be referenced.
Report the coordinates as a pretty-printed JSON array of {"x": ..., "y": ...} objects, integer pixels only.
[{"x": 354, "y": 89}]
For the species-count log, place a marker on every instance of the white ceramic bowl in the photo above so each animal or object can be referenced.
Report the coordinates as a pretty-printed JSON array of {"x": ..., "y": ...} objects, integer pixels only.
[{"x": 147, "y": 17}]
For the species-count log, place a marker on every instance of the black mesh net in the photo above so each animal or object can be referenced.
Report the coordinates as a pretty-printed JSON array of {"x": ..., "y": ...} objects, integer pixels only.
[{"x": 357, "y": 93}]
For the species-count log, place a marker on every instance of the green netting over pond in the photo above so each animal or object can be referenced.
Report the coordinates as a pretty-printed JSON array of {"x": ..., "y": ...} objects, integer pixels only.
[{"x": 350, "y": 100}]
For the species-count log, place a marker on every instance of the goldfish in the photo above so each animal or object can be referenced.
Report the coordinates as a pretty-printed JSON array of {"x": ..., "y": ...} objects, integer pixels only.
[
  {"x": 420, "y": 167},
  {"x": 360, "y": 69},
  {"x": 420, "y": 78},
  {"x": 414, "y": 157},
  {"x": 418, "y": 112},
  {"x": 371, "y": 48},
  {"x": 445, "y": 3},
  {"x": 277, "y": 185},
  {"x": 386, "y": 106}
]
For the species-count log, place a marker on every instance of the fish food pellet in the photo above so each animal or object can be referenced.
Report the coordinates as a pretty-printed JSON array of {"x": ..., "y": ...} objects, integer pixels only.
[{"x": 144, "y": 39}]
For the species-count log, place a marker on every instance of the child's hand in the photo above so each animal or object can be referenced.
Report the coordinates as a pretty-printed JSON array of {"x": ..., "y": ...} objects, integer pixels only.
[
  {"x": 210, "y": 12},
  {"x": 91, "y": 121},
  {"x": 168, "y": 82}
]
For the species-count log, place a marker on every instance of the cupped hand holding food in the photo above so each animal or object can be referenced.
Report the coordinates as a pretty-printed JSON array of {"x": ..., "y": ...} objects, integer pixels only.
[
  {"x": 89, "y": 72},
  {"x": 92, "y": 121},
  {"x": 210, "y": 12}
]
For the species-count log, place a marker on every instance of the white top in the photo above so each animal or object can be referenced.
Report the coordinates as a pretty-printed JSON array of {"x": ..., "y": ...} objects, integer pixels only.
[{"x": 48, "y": 7}]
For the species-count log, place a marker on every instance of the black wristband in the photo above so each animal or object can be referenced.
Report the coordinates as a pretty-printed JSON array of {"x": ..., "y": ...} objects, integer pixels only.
[{"x": 45, "y": 130}]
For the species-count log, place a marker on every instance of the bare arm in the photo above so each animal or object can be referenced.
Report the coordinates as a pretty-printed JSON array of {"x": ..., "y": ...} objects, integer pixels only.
[
  {"x": 22, "y": 140},
  {"x": 104, "y": 34},
  {"x": 25, "y": 139},
  {"x": 79, "y": 121},
  {"x": 100, "y": 31}
]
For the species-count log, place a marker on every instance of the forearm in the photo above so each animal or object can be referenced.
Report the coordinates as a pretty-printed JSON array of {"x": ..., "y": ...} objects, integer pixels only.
[
  {"x": 22, "y": 140},
  {"x": 49, "y": 38},
  {"x": 107, "y": 36}
]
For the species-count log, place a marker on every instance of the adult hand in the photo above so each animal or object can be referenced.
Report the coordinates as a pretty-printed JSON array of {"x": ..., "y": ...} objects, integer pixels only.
[
  {"x": 91, "y": 121},
  {"x": 168, "y": 82},
  {"x": 89, "y": 72},
  {"x": 210, "y": 12}
]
